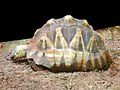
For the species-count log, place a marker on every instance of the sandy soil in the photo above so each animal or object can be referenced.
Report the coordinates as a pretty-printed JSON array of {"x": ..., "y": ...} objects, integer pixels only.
[{"x": 19, "y": 76}]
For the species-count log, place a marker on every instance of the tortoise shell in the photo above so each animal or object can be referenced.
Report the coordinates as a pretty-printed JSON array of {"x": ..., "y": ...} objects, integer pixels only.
[{"x": 68, "y": 44}]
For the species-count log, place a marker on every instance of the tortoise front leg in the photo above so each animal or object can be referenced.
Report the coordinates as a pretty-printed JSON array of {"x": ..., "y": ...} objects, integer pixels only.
[{"x": 36, "y": 67}]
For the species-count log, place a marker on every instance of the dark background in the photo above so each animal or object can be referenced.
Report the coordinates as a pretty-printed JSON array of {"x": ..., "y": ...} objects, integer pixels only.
[{"x": 19, "y": 20}]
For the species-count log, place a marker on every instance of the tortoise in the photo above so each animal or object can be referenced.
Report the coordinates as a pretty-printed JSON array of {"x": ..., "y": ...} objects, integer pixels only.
[{"x": 65, "y": 44}]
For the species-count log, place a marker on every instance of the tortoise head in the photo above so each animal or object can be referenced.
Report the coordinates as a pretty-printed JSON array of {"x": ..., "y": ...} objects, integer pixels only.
[{"x": 19, "y": 52}]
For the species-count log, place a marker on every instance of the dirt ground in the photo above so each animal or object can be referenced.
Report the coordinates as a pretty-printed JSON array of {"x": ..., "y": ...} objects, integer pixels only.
[{"x": 20, "y": 76}]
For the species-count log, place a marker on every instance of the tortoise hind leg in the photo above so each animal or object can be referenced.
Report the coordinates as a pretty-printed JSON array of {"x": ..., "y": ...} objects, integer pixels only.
[{"x": 36, "y": 67}]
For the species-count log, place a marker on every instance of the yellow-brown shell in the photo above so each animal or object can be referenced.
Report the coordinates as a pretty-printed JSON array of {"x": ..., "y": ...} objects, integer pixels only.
[{"x": 68, "y": 44}]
